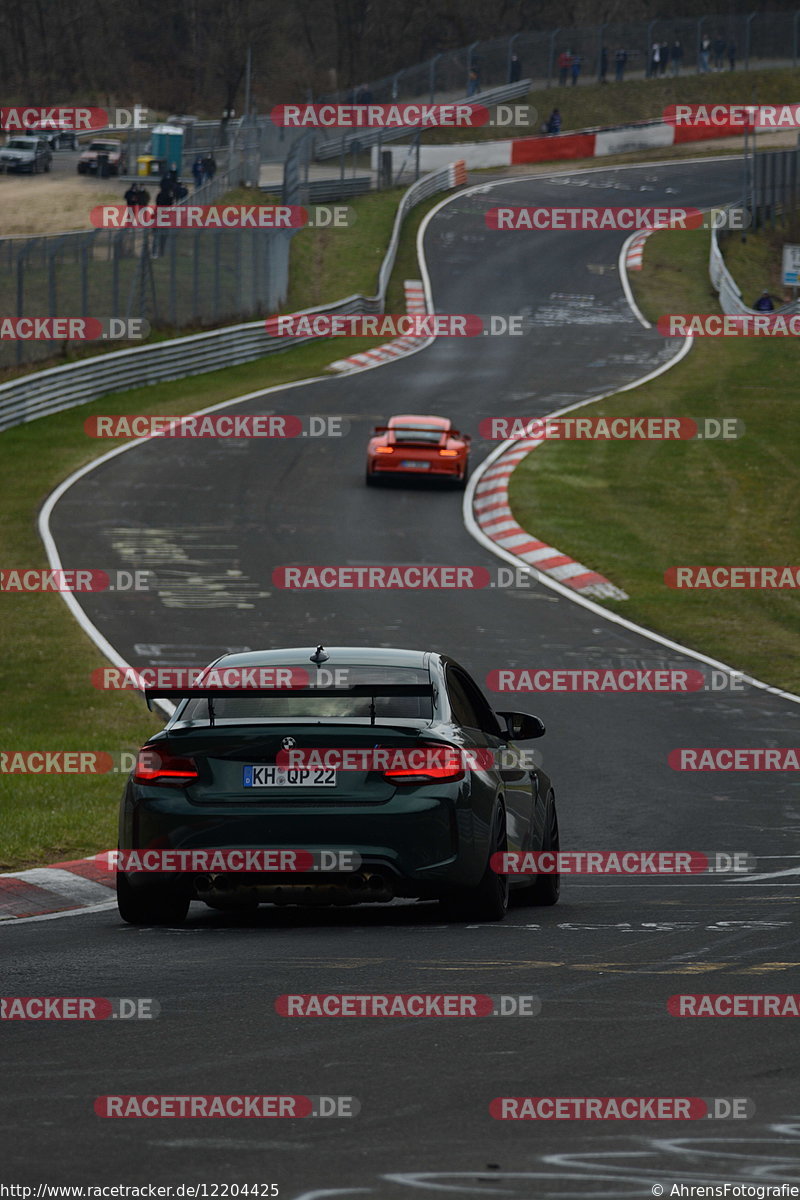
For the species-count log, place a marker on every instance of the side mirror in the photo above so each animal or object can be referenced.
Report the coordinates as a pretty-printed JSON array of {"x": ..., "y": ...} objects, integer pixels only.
[{"x": 521, "y": 727}]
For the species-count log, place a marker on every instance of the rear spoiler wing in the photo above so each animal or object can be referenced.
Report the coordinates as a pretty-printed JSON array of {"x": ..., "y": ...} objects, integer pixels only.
[
  {"x": 358, "y": 689},
  {"x": 453, "y": 433}
]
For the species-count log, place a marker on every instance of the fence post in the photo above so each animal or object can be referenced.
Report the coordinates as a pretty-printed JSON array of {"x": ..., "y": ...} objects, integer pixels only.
[
  {"x": 647, "y": 60},
  {"x": 552, "y": 54},
  {"x": 511, "y": 41},
  {"x": 469, "y": 64},
  {"x": 699, "y": 44},
  {"x": 196, "y": 275},
  {"x": 747, "y": 26},
  {"x": 173, "y": 282},
  {"x": 432, "y": 75},
  {"x": 794, "y": 38}
]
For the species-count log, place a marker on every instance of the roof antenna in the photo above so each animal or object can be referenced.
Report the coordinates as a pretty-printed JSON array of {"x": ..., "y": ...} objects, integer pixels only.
[{"x": 319, "y": 656}]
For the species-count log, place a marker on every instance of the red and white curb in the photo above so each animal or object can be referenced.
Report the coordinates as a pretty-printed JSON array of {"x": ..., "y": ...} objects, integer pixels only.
[
  {"x": 61, "y": 887},
  {"x": 635, "y": 250},
  {"x": 493, "y": 515},
  {"x": 415, "y": 303}
]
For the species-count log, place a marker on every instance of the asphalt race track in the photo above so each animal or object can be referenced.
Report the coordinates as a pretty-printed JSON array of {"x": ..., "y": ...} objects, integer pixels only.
[{"x": 213, "y": 519}]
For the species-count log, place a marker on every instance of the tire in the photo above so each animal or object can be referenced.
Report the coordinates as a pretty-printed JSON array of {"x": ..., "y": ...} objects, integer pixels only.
[
  {"x": 35, "y": 167},
  {"x": 547, "y": 888},
  {"x": 461, "y": 482},
  {"x": 370, "y": 480},
  {"x": 151, "y": 905},
  {"x": 489, "y": 900},
  {"x": 46, "y": 168}
]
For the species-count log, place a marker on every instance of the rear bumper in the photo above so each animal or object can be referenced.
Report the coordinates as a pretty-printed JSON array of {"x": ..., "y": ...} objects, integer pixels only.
[
  {"x": 444, "y": 470},
  {"x": 423, "y": 843}
]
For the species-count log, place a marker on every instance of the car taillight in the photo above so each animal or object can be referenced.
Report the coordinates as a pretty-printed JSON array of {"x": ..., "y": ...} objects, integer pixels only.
[
  {"x": 384, "y": 449},
  {"x": 449, "y": 453},
  {"x": 449, "y": 774},
  {"x": 155, "y": 766}
]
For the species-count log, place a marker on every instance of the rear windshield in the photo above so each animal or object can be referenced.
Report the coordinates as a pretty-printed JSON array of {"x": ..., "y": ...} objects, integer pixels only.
[
  {"x": 22, "y": 144},
  {"x": 103, "y": 146},
  {"x": 294, "y": 704},
  {"x": 428, "y": 434}
]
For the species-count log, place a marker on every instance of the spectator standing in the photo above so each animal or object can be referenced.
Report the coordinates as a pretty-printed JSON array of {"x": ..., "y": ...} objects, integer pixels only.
[
  {"x": 554, "y": 122},
  {"x": 198, "y": 171},
  {"x": 575, "y": 67},
  {"x": 514, "y": 69},
  {"x": 564, "y": 64},
  {"x": 164, "y": 199},
  {"x": 655, "y": 59},
  {"x": 705, "y": 54},
  {"x": 764, "y": 303},
  {"x": 209, "y": 166},
  {"x": 136, "y": 196},
  {"x": 732, "y": 55},
  {"x": 719, "y": 52},
  {"x": 664, "y": 58},
  {"x": 603, "y": 65},
  {"x": 474, "y": 85},
  {"x": 676, "y": 57},
  {"x": 620, "y": 59}
]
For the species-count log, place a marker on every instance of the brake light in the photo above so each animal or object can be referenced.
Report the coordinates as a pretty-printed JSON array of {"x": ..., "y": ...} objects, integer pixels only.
[
  {"x": 384, "y": 449},
  {"x": 155, "y": 766},
  {"x": 449, "y": 453},
  {"x": 449, "y": 774}
]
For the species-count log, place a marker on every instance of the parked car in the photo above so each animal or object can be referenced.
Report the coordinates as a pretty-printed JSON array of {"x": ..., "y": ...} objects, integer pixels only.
[
  {"x": 26, "y": 153},
  {"x": 56, "y": 133},
  {"x": 89, "y": 160}
]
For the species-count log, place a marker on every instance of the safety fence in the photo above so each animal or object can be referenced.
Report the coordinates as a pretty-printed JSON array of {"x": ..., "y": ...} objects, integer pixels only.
[
  {"x": 771, "y": 192},
  {"x": 173, "y": 280},
  {"x": 745, "y": 40},
  {"x": 59, "y": 388}
]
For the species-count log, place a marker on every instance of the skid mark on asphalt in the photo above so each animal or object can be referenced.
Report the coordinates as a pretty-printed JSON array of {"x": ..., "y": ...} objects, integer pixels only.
[
  {"x": 189, "y": 568},
  {"x": 641, "y": 1165}
]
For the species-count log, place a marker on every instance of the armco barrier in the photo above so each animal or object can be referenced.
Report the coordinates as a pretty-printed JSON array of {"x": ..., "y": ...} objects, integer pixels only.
[
  {"x": 59, "y": 388},
  {"x": 580, "y": 143},
  {"x": 723, "y": 283}
]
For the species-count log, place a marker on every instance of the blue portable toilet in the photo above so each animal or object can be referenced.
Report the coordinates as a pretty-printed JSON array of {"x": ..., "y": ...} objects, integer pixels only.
[{"x": 167, "y": 146}]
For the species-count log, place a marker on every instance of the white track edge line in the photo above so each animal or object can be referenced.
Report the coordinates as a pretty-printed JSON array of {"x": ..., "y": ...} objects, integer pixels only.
[{"x": 471, "y": 524}]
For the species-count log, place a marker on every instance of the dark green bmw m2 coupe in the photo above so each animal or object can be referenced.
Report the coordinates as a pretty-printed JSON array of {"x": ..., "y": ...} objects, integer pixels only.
[{"x": 333, "y": 776}]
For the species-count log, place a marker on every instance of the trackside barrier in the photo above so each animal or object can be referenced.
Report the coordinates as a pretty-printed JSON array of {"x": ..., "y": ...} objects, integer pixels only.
[
  {"x": 330, "y": 147},
  {"x": 51, "y": 391}
]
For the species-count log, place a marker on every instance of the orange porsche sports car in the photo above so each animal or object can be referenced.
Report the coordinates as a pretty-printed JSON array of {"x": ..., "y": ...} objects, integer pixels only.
[{"x": 428, "y": 447}]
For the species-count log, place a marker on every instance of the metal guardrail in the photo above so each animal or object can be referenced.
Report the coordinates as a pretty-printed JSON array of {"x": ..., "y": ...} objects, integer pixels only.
[
  {"x": 344, "y": 143},
  {"x": 726, "y": 287},
  {"x": 59, "y": 388}
]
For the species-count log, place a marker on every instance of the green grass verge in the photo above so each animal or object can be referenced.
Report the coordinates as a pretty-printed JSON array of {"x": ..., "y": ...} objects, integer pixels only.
[
  {"x": 50, "y": 703},
  {"x": 633, "y": 509},
  {"x": 596, "y": 104}
]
